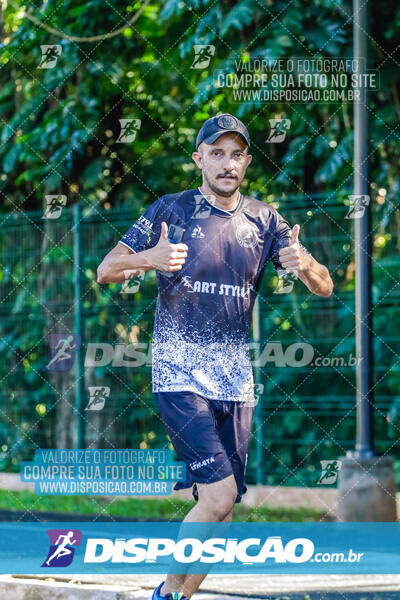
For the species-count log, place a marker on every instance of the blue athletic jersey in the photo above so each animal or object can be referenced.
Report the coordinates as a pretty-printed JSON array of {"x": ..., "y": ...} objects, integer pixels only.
[{"x": 203, "y": 312}]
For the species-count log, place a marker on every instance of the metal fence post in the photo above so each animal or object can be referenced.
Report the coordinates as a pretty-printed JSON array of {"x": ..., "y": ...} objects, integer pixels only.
[
  {"x": 257, "y": 379},
  {"x": 76, "y": 231},
  {"x": 363, "y": 246},
  {"x": 366, "y": 483}
]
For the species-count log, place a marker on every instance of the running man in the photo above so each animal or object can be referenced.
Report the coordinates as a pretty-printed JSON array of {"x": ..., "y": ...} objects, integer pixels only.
[
  {"x": 64, "y": 349},
  {"x": 62, "y": 542},
  {"x": 209, "y": 270}
]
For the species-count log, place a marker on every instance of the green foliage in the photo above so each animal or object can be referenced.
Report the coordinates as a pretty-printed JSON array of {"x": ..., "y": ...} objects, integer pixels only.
[
  {"x": 58, "y": 135},
  {"x": 171, "y": 509},
  {"x": 239, "y": 16}
]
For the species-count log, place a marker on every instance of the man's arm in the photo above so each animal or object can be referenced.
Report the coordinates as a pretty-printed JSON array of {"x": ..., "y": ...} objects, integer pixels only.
[
  {"x": 163, "y": 257},
  {"x": 314, "y": 275}
]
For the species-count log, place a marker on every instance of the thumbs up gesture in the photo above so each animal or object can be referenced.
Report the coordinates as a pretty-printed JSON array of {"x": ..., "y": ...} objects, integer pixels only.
[
  {"x": 292, "y": 257},
  {"x": 166, "y": 256}
]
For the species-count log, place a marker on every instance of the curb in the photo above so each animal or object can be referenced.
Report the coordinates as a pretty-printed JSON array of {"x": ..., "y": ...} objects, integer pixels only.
[
  {"x": 16, "y": 588},
  {"x": 25, "y": 588}
]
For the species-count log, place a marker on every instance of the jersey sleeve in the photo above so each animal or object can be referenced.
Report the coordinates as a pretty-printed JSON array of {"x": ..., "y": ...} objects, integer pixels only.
[
  {"x": 279, "y": 236},
  {"x": 281, "y": 239},
  {"x": 145, "y": 232}
]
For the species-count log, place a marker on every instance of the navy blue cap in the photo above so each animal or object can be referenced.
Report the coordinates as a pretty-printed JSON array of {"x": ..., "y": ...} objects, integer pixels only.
[{"x": 213, "y": 128}]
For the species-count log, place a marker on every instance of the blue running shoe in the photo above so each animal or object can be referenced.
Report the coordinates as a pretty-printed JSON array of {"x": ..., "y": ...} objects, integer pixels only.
[
  {"x": 156, "y": 594},
  {"x": 174, "y": 596}
]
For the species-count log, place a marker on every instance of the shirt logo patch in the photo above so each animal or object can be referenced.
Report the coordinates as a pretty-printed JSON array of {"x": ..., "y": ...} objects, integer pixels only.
[
  {"x": 246, "y": 235},
  {"x": 187, "y": 283},
  {"x": 210, "y": 287},
  {"x": 197, "y": 232}
]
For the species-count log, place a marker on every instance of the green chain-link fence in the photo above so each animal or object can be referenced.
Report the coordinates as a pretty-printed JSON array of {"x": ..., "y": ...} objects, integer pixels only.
[{"x": 305, "y": 413}]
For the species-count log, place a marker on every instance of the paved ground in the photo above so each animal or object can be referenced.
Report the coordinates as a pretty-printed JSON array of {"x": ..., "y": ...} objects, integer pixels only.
[
  {"x": 262, "y": 585},
  {"x": 215, "y": 587}
]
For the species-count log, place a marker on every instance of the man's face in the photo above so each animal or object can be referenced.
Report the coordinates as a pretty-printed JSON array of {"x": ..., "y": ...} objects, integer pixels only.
[{"x": 223, "y": 163}]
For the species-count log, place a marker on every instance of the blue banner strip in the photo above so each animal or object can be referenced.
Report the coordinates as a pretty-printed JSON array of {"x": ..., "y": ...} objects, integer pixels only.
[{"x": 236, "y": 548}]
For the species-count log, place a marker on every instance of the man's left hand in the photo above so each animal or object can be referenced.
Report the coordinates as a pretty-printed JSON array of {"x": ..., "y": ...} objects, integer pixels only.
[{"x": 292, "y": 258}]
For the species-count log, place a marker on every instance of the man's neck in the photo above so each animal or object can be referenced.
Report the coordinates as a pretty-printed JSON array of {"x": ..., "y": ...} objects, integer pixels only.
[{"x": 221, "y": 201}]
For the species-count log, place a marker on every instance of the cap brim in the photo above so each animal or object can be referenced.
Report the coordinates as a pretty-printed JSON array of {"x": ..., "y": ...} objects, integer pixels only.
[{"x": 213, "y": 138}]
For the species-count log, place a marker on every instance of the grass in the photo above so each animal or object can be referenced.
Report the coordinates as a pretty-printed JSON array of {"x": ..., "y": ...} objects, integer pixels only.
[{"x": 138, "y": 508}]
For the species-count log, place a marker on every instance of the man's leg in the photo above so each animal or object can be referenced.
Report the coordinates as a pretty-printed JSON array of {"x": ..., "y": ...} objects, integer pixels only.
[
  {"x": 234, "y": 429},
  {"x": 215, "y": 504},
  {"x": 192, "y": 582},
  {"x": 191, "y": 423}
]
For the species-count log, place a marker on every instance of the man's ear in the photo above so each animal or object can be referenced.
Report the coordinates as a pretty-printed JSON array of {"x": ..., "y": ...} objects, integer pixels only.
[
  {"x": 249, "y": 159},
  {"x": 197, "y": 157}
]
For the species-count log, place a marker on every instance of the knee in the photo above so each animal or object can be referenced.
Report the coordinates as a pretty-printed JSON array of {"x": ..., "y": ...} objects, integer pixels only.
[
  {"x": 221, "y": 508},
  {"x": 220, "y": 505}
]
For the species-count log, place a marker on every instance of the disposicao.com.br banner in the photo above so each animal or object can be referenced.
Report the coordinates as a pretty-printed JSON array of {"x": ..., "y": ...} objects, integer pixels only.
[{"x": 245, "y": 548}]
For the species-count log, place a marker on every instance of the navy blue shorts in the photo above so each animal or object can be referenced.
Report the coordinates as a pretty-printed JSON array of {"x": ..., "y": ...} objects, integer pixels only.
[{"x": 210, "y": 436}]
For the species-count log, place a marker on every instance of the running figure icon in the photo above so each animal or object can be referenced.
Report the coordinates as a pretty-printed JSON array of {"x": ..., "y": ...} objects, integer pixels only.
[
  {"x": 62, "y": 549},
  {"x": 63, "y": 554},
  {"x": 65, "y": 348}
]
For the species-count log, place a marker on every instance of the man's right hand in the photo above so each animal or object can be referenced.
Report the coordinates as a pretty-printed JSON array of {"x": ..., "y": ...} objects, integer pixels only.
[{"x": 166, "y": 256}]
